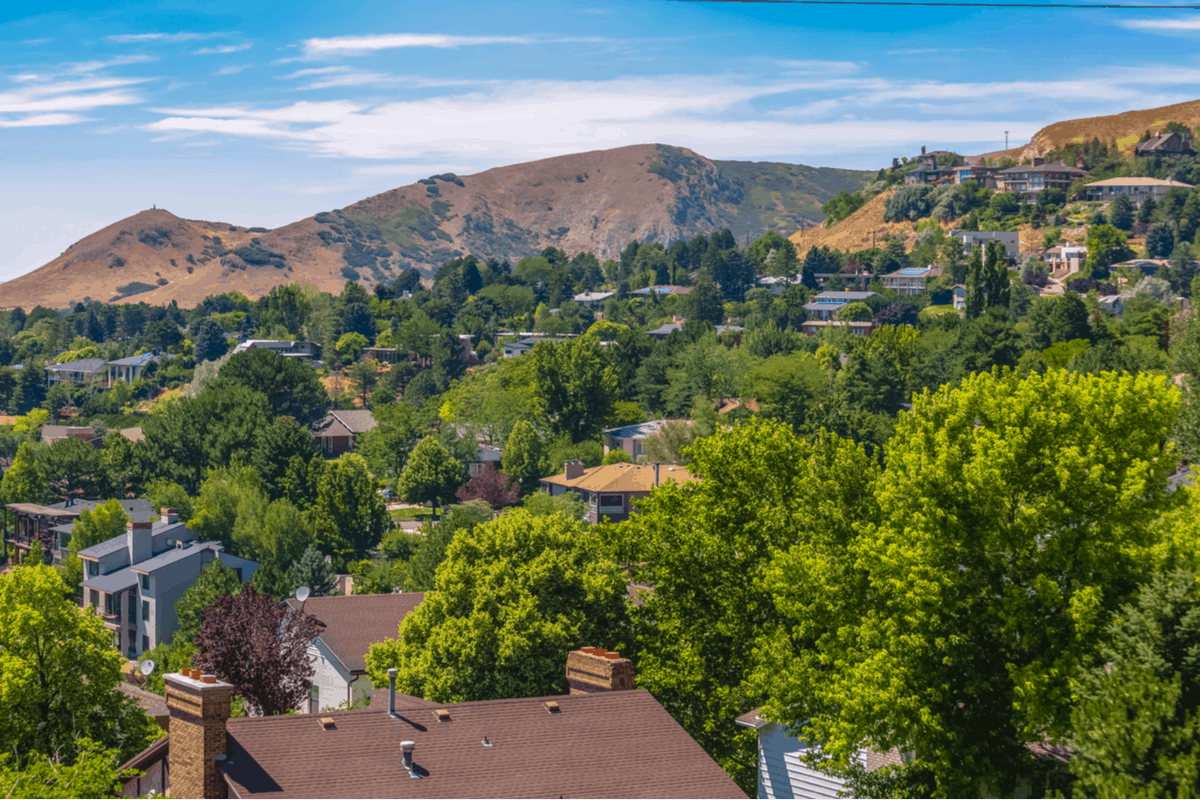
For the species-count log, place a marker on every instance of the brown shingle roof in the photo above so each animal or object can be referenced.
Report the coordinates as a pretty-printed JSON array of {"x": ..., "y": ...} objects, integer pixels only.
[
  {"x": 622, "y": 477},
  {"x": 610, "y": 744},
  {"x": 133, "y": 434},
  {"x": 351, "y": 623},
  {"x": 358, "y": 420},
  {"x": 155, "y": 705}
]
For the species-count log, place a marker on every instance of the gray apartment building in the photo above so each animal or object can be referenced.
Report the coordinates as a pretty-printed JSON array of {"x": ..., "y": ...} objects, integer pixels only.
[{"x": 1009, "y": 239}]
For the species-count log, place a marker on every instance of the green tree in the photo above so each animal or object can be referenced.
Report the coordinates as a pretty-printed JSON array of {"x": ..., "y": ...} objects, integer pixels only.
[
  {"x": 314, "y": 572},
  {"x": 976, "y": 284},
  {"x": 432, "y": 475},
  {"x": 422, "y": 568},
  {"x": 575, "y": 386},
  {"x": 93, "y": 527},
  {"x": 363, "y": 377},
  {"x": 46, "y": 647},
  {"x": 1106, "y": 246},
  {"x": 91, "y": 773},
  {"x": 210, "y": 341},
  {"x": 292, "y": 388},
  {"x": 704, "y": 303},
  {"x": 1120, "y": 213},
  {"x": 1136, "y": 726},
  {"x": 703, "y": 547},
  {"x": 855, "y": 312},
  {"x": 349, "y": 516},
  {"x": 512, "y": 598},
  {"x": 22, "y": 482},
  {"x": 274, "y": 449},
  {"x": 214, "y": 580},
  {"x": 351, "y": 346},
  {"x": 226, "y": 495},
  {"x": 669, "y": 443},
  {"x": 524, "y": 458},
  {"x": 302, "y": 481},
  {"x": 1013, "y": 525},
  {"x": 72, "y": 468},
  {"x": 163, "y": 494}
]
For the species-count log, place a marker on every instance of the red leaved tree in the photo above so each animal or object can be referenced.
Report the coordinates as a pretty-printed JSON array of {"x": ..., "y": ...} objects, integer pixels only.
[
  {"x": 259, "y": 646},
  {"x": 491, "y": 486}
]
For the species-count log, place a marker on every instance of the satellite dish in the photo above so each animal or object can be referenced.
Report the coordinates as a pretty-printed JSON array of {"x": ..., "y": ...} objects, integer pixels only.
[
  {"x": 146, "y": 667},
  {"x": 302, "y": 593}
]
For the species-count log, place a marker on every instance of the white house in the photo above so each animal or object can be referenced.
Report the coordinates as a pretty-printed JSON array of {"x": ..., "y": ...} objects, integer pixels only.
[{"x": 350, "y": 624}]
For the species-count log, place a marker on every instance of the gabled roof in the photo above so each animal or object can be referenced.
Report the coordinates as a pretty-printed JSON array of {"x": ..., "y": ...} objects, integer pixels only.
[
  {"x": 623, "y": 477},
  {"x": 357, "y": 420},
  {"x": 609, "y": 744},
  {"x": 159, "y": 531},
  {"x": 175, "y": 555},
  {"x": 351, "y": 623},
  {"x": 666, "y": 329},
  {"x": 82, "y": 365}
]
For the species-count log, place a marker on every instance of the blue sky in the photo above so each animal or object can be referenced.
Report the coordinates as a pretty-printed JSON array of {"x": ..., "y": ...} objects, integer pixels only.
[{"x": 263, "y": 113}]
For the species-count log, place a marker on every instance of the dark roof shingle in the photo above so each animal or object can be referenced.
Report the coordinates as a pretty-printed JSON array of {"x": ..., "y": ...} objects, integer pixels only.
[{"x": 351, "y": 623}]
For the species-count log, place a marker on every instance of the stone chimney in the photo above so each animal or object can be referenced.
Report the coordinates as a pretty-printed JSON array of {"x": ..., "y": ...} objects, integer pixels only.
[
  {"x": 594, "y": 669},
  {"x": 139, "y": 536},
  {"x": 198, "y": 706},
  {"x": 1038, "y": 161},
  {"x": 170, "y": 516},
  {"x": 573, "y": 469}
]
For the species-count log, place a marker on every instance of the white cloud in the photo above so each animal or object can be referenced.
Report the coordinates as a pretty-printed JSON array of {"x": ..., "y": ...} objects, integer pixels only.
[
  {"x": 44, "y": 100},
  {"x": 391, "y": 41},
  {"x": 223, "y": 49},
  {"x": 233, "y": 69},
  {"x": 39, "y": 120},
  {"x": 1176, "y": 25},
  {"x": 136, "y": 38}
]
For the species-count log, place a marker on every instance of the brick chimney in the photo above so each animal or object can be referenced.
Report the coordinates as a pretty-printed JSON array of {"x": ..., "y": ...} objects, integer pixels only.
[
  {"x": 573, "y": 469},
  {"x": 139, "y": 536},
  {"x": 1038, "y": 161},
  {"x": 198, "y": 707},
  {"x": 594, "y": 669},
  {"x": 170, "y": 515}
]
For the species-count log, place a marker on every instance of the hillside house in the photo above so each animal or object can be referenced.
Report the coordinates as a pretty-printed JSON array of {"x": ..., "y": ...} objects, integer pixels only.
[
  {"x": 959, "y": 293},
  {"x": 604, "y": 739},
  {"x": 662, "y": 291},
  {"x": 337, "y": 432},
  {"x": 1029, "y": 179},
  {"x": 593, "y": 299},
  {"x": 130, "y": 369},
  {"x": 308, "y": 351},
  {"x": 51, "y": 524},
  {"x": 825, "y": 305},
  {"x": 814, "y": 326},
  {"x": 1064, "y": 259},
  {"x": 984, "y": 177},
  {"x": 350, "y": 624},
  {"x": 911, "y": 280},
  {"x": 489, "y": 459},
  {"x": 630, "y": 438},
  {"x": 523, "y": 346},
  {"x": 134, "y": 580},
  {"x": 85, "y": 433},
  {"x": 85, "y": 371},
  {"x": 1113, "y": 303},
  {"x": 1136, "y": 189},
  {"x": 1010, "y": 240},
  {"x": 1168, "y": 145},
  {"x": 609, "y": 491}
]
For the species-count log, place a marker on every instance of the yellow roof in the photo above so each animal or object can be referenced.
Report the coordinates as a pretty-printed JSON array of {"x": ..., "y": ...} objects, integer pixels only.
[
  {"x": 622, "y": 477},
  {"x": 1140, "y": 182}
]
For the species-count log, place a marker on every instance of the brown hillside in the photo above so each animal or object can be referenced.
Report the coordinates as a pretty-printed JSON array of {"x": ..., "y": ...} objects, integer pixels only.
[
  {"x": 1126, "y": 129},
  {"x": 595, "y": 202},
  {"x": 857, "y": 231}
]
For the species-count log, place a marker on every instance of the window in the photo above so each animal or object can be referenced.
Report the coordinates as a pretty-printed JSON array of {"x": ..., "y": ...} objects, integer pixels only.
[
  {"x": 145, "y": 610},
  {"x": 170, "y": 542},
  {"x": 93, "y": 569},
  {"x": 94, "y": 598},
  {"x": 314, "y": 699},
  {"x": 145, "y": 583},
  {"x": 145, "y": 643},
  {"x": 132, "y": 610},
  {"x": 616, "y": 501}
]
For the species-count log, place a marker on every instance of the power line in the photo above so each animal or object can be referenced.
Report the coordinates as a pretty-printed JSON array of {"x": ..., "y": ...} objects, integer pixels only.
[{"x": 1132, "y": 6}]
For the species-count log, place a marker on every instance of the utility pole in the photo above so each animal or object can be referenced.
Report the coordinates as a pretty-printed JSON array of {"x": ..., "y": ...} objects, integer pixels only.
[{"x": 1006, "y": 140}]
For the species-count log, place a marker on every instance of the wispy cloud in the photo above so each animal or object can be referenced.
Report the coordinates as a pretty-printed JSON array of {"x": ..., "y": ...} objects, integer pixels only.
[
  {"x": 391, "y": 41},
  {"x": 1176, "y": 25},
  {"x": 34, "y": 41},
  {"x": 233, "y": 69},
  {"x": 135, "y": 38},
  {"x": 223, "y": 49},
  {"x": 60, "y": 102}
]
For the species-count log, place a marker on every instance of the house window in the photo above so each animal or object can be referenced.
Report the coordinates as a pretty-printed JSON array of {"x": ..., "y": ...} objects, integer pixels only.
[
  {"x": 170, "y": 542},
  {"x": 616, "y": 501},
  {"x": 314, "y": 699},
  {"x": 145, "y": 642},
  {"x": 145, "y": 583},
  {"x": 132, "y": 611},
  {"x": 94, "y": 598},
  {"x": 145, "y": 610},
  {"x": 93, "y": 568}
]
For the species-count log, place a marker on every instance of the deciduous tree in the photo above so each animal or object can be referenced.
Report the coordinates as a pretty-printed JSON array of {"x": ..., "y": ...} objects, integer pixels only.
[
  {"x": 290, "y": 386},
  {"x": 214, "y": 580},
  {"x": 431, "y": 475},
  {"x": 492, "y": 487},
  {"x": 524, "y": 457},
  {"x": 349, "y": 516},
  {"x": 574, "y": 386}
]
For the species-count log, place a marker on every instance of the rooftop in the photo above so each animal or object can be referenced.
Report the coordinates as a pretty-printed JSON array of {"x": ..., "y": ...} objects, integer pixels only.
[
  {"x": 1054, "y": 166},
  {"x": 1169, "y": 182},
  {"x": 82, "y": 365},
  {"x": 118, "y": 543},
  {"x": 842, "y": 297},
  {"x": 622, "y": 477},
  {"x": 642, "y": 430},
  {"x": 610, "y": 744},
  {"x": 137, "y": 361},
  {"x": 357, "y": 420},
  {"x": 176, "y": 554},
  {"x": 351, "y": 623}
]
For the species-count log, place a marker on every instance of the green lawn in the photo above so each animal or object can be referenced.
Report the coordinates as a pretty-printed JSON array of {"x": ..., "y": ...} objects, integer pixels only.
[
  {"x": 411, "y": 513},
  {"x": 945, "y": 309}
]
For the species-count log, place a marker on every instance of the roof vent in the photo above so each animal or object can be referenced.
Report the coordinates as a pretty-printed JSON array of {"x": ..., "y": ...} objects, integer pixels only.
[
  {"x": 551, "y": 706},
  {"x": 327, "y": 723},
  {"x": 406, "y": 748},
  {"x": 486, "y": 743},
  {"x": 443, "y": 715}
]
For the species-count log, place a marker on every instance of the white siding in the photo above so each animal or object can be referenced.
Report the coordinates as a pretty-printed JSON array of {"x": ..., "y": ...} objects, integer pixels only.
[
  {"x": 328, "y": 677},
  {"x": 782, "y": 772}
]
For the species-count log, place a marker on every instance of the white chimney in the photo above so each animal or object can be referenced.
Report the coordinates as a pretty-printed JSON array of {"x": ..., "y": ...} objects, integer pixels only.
[{"x": 170, "y": 516}]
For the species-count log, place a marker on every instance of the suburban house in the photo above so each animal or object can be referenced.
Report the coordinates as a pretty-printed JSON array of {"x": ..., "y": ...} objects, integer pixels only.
[
  {"x": 51, "y": 525},
  {"x": 387, "y": 355},
  {"x": 609, "y": 491},
  {"x": 85, "y": 371},
  {"x": 970, "y": 239},
  {"x": 604, "y": 739},
  {"x": 666, "y": 329},
  {"x": 960, "y": 296},
  {"x": 1136, "y": 189},
  {"x": 814, "y": 326},
  {"x": 155, "y": 705},
  {"x": 782, "y": 771},
  {"x": 929, "y": 172},
  {"x": 52, "y": 433},
  {"x": 1063, "y": 259},
  {"x": 133, "y": 434},
  {"x": 911, "y": 280},
  {"x": 523, "y": 346},
  {"x": 593, "y": 299},
  {"x": 339, "y": 429},
  {"x": 984, "y": 177},
  {"x": 1170, "y": 145},
  {"x": 778, "y": 283},
  {"x": 662, "y": 291},
  {"x": 130, "y": 369},
  {"x": 134, "y": 580},
  {"x": 631, "y": 437},
  {"x": 1113, "y": 303},
  {"x": 350, "y": 624},
  {"x": 489, "y": 459},
  {"x": 297, "y": 349},
  {"x": 1029, "y": 179},
  {"x": 825, "y": 305}
]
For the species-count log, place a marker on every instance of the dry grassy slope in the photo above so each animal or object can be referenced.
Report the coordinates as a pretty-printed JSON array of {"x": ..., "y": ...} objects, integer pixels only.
[
  {"x": 856, "y": 231},
  {"x": 1126, "y": 128}
]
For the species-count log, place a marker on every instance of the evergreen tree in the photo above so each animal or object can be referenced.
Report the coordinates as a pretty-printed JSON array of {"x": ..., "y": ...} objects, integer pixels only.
[
  {"x": 1120, "y": 213},
  {"x": 210, "y": 343},
  {"x": 313, "y": 571},
  {"x": 976, "y": 287}
]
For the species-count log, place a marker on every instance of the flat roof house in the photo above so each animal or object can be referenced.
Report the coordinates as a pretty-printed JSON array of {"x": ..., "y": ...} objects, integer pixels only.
[
  {"x": 289, "y": 349},
  {"x": 1010, "y": 239},
  {"x": 911, "y": 280},
  {"x": 85, "y": 371},
  {"x": 130, "y": 369},
  {"x": 1029, "y": 179},
  {"x": 979, "y": 175},
  {"x": 51, "y": 525},
  {"x": 593, "y": 299},
  {"x": 1136, "y": 189},
  {"x": 1063, "y": 259},
  {"x": 630, "y": 437},
  {"x": 826, "y": 304},
  {"x": 337, "y": 432},
  {"x": 814, "y": 326},
  {"x": 608, "y": 740},
  {"x": 609, "y": 491},
  {"x": 134, "y": 580},
  {"x": 350, "y": 624}
]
